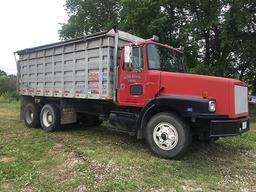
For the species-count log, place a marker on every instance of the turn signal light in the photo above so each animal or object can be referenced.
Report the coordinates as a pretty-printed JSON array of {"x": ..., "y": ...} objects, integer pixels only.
[{"x": 205, "y": 94}]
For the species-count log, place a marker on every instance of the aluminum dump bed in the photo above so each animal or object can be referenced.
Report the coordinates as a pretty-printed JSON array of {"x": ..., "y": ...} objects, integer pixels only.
[{"x": 76, "y": 68}]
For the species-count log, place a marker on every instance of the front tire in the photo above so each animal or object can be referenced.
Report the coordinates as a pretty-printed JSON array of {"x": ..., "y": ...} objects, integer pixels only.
[
  {"x": 168, "y": 136},
  {"x": 50, "y": 118},
  {"x": 32, "y": 115}
]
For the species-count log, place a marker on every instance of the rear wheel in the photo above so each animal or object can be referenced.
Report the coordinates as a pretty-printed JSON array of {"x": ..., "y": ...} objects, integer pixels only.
[
  {"x": 168, "y": 136},
  {"x": 32, "y": 115},
  {"x": 50, "y": 118}
]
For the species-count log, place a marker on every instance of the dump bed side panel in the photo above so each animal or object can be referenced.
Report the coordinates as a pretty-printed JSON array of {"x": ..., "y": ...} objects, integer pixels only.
[{"x": 79, "y": 69}]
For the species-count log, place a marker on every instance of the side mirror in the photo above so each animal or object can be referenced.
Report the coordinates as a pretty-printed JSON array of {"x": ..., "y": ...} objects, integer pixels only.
[{"x": 127, "y": 54}]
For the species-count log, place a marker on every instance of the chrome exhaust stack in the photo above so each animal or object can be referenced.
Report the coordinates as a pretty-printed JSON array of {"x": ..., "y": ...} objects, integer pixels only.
[{"x": 115, "y": 64}]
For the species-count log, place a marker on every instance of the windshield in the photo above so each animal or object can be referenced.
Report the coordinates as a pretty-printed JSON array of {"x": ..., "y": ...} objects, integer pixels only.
[{"x": 165, "y": 59}]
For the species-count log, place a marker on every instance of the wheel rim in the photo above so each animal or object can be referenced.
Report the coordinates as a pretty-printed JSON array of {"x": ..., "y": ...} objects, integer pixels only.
[
  {"x": 29, "y": 116},
  {"x": 47, "y": 118},
  {"x": 165, "y": 136}
]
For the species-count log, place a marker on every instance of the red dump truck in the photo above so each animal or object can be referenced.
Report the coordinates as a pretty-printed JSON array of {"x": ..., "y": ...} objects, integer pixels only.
[{"x": 140, "y": 86}]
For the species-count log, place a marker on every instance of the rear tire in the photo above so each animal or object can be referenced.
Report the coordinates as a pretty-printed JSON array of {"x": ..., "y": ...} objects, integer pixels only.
[
  {"x": 32, "y": 115},
  {"x": 50, "y": 118},
  {"x": 168, "y": 136}
]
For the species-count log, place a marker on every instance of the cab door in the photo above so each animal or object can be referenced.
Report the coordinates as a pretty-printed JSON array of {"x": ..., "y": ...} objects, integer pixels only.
[
  {"x": 131, "y": 78},
  {"x": 153, "y": 76}
]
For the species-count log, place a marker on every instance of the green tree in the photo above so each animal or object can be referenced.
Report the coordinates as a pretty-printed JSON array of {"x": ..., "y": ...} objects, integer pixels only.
[
  {"x": 218, "y": 36},
  {"x": 2, "y": 73},
  {"x": 242, "y": 18},
  {"x": 3, "y": 84},
  {"x": 7, "y": 83},
  {"x": 142, "y": 18},
  {"x": 88, "y": 16}
]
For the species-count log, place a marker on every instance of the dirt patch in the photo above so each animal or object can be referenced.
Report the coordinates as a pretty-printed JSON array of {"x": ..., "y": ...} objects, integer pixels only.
[
  {"x": 7, "y": 159},
  {"x": 58, "y": 148},
  {"x": 27, "y": 189},
  {"x": 81, "y": 188},
  {"x": 37, "y": 162},
  {"x": 162, "y": 190},
  {"x": 101, "y": 171},
  {"x": 190, "y": 185},
  {"x": 7, "y": 187},
  {"x": 72, "y": 161},
  {"x": 244, "y": 177},
  {"x": 250, "y": 154},
  {"x": 8, "y": 114}
]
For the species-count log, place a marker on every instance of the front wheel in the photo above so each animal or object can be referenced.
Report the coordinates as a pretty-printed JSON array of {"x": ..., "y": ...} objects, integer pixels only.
[{"x": 168, "y": 136}]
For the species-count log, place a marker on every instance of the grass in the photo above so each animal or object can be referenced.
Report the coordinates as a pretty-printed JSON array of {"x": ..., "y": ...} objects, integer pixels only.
[{"x": 95, "y": 159}]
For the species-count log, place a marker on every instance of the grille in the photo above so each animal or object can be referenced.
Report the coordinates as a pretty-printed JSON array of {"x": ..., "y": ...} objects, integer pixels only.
[{"x": 241, "y": 99}]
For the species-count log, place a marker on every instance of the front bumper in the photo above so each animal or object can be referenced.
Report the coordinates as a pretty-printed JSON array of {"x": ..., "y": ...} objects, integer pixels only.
[
  {"x": 229, "y": 127},
  {"x": 218, "y": 125}
]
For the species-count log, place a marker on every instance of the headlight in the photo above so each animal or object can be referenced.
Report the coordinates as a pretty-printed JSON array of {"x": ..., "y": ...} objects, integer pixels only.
[{"x": 212, "y": 106}]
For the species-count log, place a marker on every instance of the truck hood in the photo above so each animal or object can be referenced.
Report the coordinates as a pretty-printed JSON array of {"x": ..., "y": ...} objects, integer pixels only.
[{"x": 226, "y": 92}]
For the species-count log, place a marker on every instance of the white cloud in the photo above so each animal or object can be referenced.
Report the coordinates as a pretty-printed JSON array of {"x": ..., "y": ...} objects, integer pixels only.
[{"x": 26, "y": 24}]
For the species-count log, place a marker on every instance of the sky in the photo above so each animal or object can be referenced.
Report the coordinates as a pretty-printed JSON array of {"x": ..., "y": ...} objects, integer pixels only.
[{"x": 26, "y": 24}]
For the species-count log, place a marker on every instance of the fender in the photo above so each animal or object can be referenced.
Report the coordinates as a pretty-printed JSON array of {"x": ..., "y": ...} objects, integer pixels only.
[{"x": 186, "y": 106}]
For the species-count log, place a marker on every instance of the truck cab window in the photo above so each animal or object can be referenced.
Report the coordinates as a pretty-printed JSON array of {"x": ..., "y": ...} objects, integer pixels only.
[
  {"x": 153, "y": 57},
  {"x": 165, "y": 59},
  {"x": 137, "y": 60}
]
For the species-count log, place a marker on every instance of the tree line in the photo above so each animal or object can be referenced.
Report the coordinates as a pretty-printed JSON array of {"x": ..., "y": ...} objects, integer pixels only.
[
  {"x": 218, "y": 36},
  {"x": 7, "y": 85}
]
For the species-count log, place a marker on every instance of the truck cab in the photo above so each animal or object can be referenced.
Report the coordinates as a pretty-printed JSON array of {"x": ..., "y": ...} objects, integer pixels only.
[
  {"x": 174, "y": 105},
  {"x": 140, "y": 71}
]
